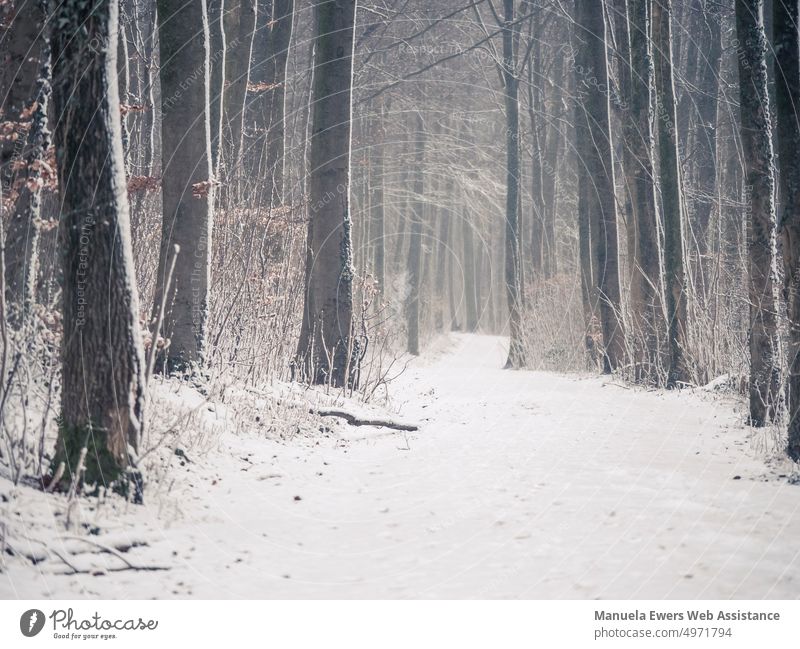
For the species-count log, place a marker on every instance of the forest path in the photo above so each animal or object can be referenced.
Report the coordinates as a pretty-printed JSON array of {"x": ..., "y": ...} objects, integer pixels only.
[{"x": 519, "y": 484}]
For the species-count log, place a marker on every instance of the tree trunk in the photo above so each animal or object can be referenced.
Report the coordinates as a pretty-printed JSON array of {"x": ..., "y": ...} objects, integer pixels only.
[
  {"x": 671, "y": 200},
  {"x": 453, "y": 270},
  {"x": 187, "y": 183},
  {"x": 513, "y": 261},
  {"x": 270, "y": 58},
  {"x": 787, "y": 95},
  {"x": 595, "y": 149},
  {"x": 759, "y": 190},
  {"x": 240, "y": 24},
  {"x": 216, "y": 63},
  {"x": 22, "y": 43},
  {"x": 535, "y": 103},
  {"x": 470, "y": 275},
  {"x": 443, "y": 252},
  {"x": 22, "y": 238},
  {"x": 377, "y": 207},
  {"x": 414, "y": 267},
  {"x": 102, "y": 356},
  {"x": 124, "y": 82},
  {"x": 327, "y": 351},
  {"x": 550, "y": 176},
  {"x": 646, "y": 307},
  {"x": 706, "y": 136},
  {"x": 585, "y": 261}
]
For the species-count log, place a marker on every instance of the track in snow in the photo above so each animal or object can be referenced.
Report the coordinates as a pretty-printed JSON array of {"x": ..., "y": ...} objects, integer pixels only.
[{"x": 519, "y": 485}]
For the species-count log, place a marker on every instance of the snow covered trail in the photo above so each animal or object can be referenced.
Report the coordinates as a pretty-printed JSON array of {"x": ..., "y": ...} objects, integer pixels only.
[{"x": 518, "y": 485}]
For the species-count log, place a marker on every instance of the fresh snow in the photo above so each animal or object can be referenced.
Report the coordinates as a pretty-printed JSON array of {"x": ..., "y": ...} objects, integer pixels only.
[{"x": 517, "y": 485}]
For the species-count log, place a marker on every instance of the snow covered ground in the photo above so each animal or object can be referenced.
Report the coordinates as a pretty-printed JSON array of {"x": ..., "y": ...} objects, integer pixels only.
[{"x": 517, "y": 485}]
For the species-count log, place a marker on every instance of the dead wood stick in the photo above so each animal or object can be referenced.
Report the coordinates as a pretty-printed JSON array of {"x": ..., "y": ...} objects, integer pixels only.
[{"x": 353, "y": 420}]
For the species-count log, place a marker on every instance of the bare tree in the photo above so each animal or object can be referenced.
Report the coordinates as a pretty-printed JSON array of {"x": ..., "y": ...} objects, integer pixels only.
[
  {"x": 671, "y": 200},
  {"x": 787, "y": 92},
  {"x": 414, "y": 264},
  {"x": 240, "y": 24},
  {"x": 188, "y": 181},
  {"x": 513, "y": 260},
  {"x": 759, "y": 200},
  {"x": 595, "y": 152},
  {"x": 636, "y": 85},
  {"x": 377, "y": 207},
  {"x": 470, "y": 274},
  {"x": 102, "y": 371},
  {"x": 270, "y": 58},
  {"x": 706, "y": 135},
  {"x": 327, "y": 351}
]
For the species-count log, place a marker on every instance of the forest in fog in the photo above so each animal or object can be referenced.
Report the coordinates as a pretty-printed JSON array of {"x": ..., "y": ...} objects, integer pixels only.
[{"x": 217, "y": 197}]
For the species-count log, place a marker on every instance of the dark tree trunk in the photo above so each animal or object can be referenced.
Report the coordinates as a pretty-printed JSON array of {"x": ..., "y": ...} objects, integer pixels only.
[
  {"x": 706, "y": 135},
  {"x": 694, "y": 56},
  {"x": 513, "y": 260},
  {"x": 270, "y": 58},
  {"x": 21, "y": 40},
  {"x": 537, "y": 217},
  {"x": 453, "y": 270},
  {"x": 596, "y": 150},
  {"x": 240, "y": 24},
  {"x": 787, "y": 95},
  {"x": 414, "y": 267},
  {"x": 470, "y": 274},
  {"x": 443, "y": 252},
  {"x": 102, "y": 356},
  {"x": 671, "y": 200},
  {"x": 646, "y": 307},
  {"x": 328, "y": 352},
  {"x": 187, "y": 183},
  {"x": 759, "y": 192},
  {"x": 585, "y": 262},
  {"x": 549, "y": 184},
  {"x": 377, "y": 207},
  {"x": 22, "y": 238}
]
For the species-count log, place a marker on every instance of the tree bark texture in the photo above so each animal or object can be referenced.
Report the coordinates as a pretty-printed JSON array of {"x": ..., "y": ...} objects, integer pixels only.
[
  {"x": 102, "y": 371},
  {"x": 328, "y": 352}
]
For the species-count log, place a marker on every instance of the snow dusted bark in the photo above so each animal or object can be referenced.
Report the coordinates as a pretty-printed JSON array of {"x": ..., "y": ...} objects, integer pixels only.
[
  {"x": 787, "y": 93},
  {"x": 596, "y": 154},
  {"x": 760, "y": 206},
  {"x": 188, "y": 191},
  {"x": 327, "y": 352},
  {"x": 102, "y": 353},
  {"x": 671, "y": 199}
]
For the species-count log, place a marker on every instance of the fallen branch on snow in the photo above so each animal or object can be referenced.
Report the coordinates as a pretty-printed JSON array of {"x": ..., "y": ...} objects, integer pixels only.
[
  {"x": 353, "y": 420},
  {"x": 349, "y": 417},
  {"x": 36, "y": 559}
]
